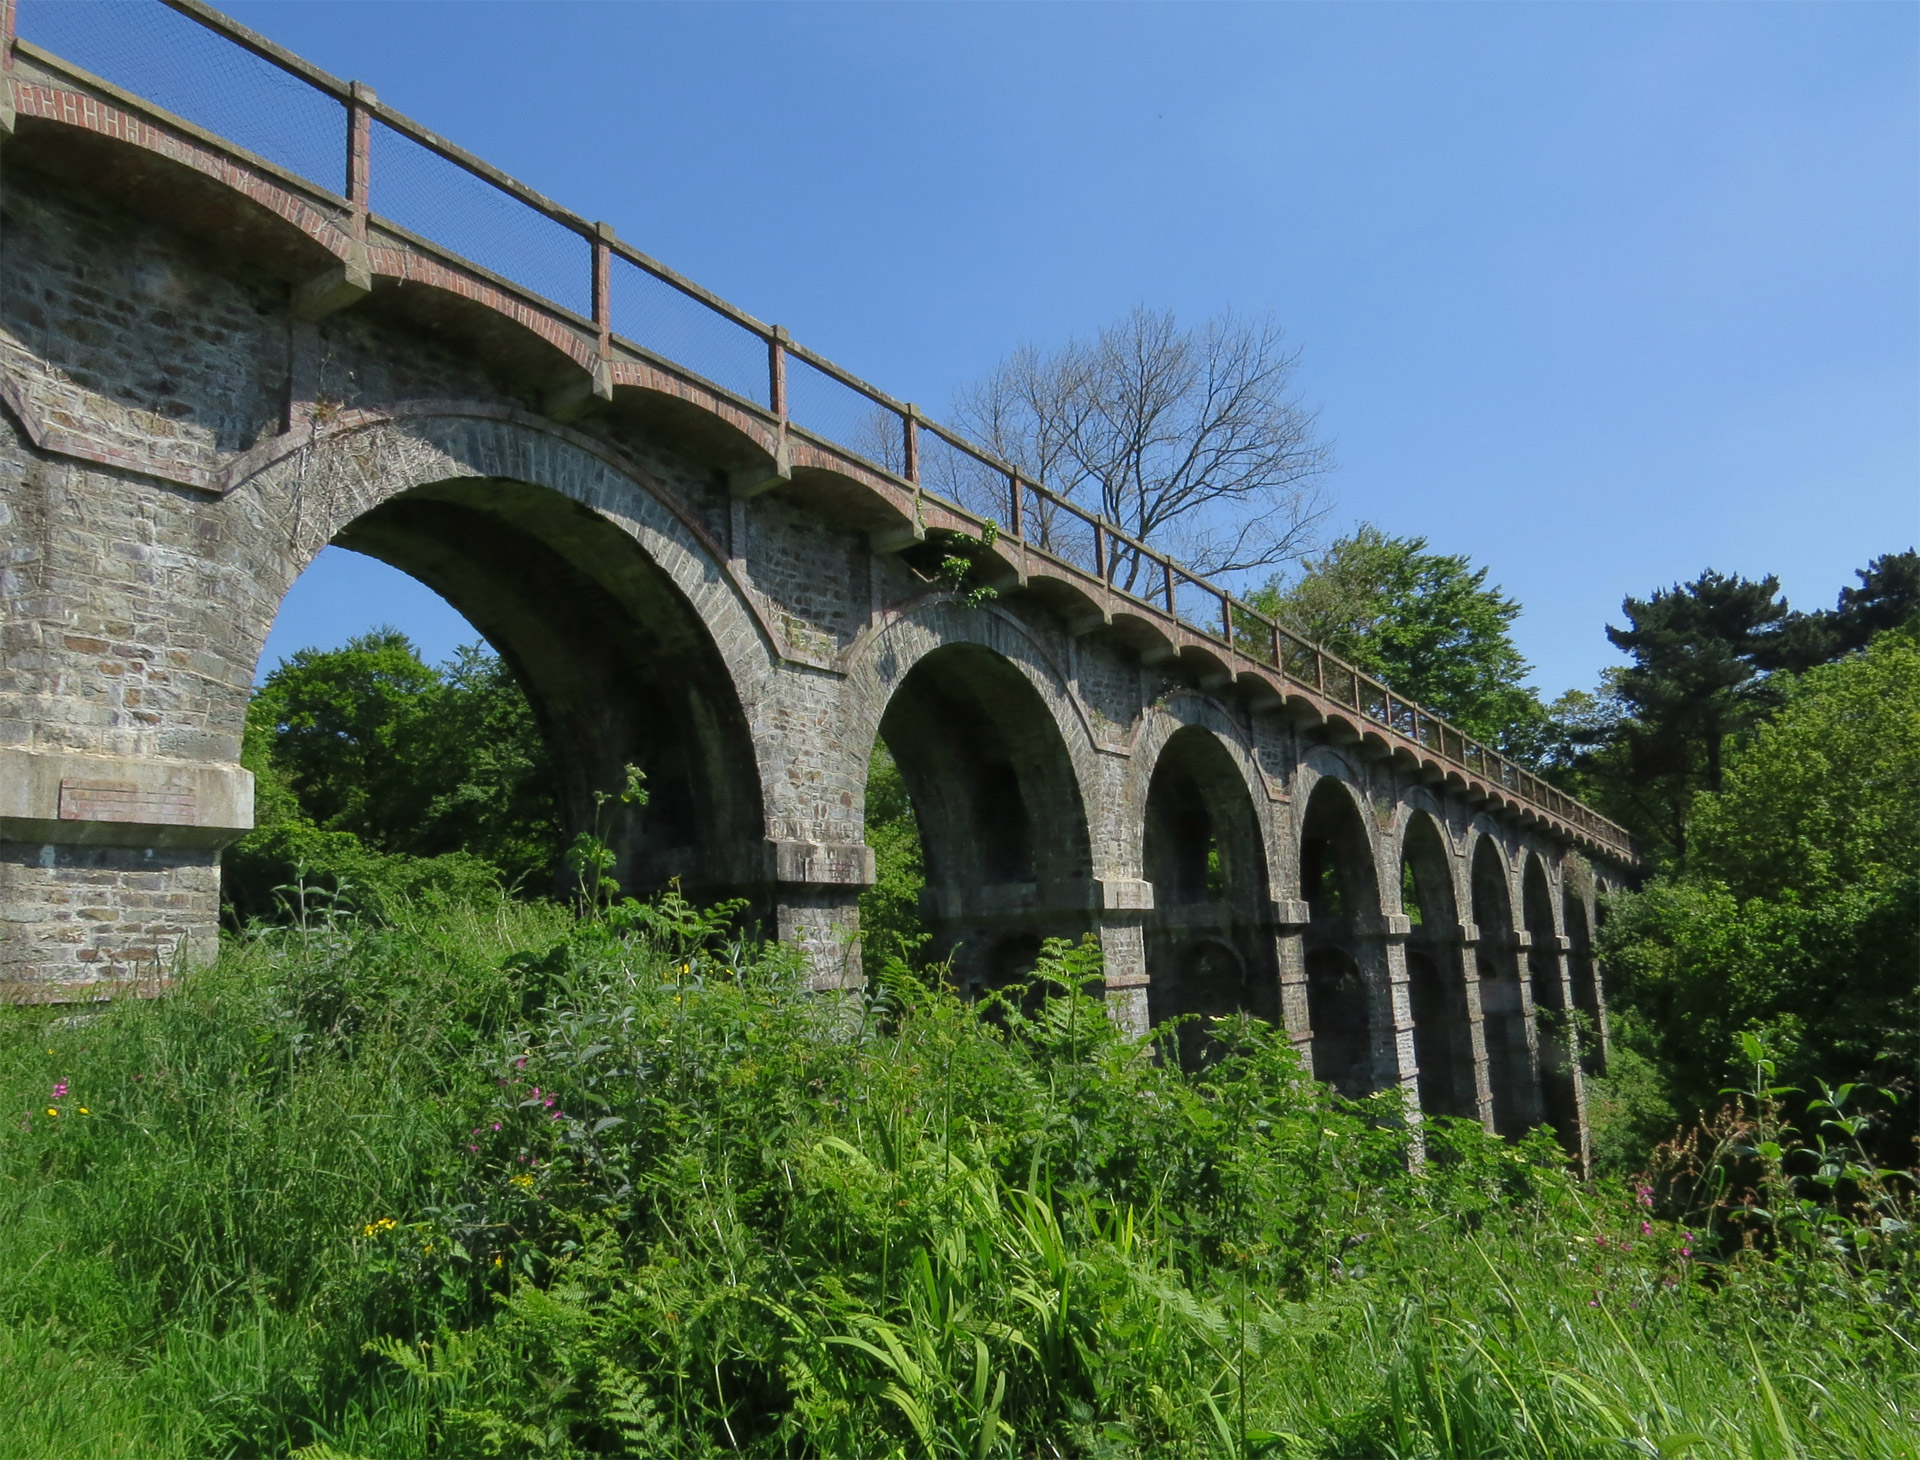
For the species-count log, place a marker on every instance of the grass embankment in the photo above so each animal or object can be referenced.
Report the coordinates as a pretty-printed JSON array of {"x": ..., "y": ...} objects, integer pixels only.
[{"x": 497, "y": 1184}]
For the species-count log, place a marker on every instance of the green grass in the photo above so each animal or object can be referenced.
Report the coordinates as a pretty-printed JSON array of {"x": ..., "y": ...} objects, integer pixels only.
[{"x": 320, "y": 1200}]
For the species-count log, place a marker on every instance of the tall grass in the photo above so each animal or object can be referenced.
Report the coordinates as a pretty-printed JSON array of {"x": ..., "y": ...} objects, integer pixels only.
[{"x": 506, "y": 1184}]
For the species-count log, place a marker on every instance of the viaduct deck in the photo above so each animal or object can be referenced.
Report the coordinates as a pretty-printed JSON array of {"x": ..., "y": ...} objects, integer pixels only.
[{"x": 247, "y": 310}]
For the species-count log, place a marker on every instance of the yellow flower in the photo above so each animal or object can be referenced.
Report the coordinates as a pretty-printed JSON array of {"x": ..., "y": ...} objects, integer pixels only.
[
  {"x": 52, "y": 1111},
  {"x": 85, "y": 1111},
  {"x": 375, "y": 1228},
  {"x": 523, "y": 1182},
  {"x": 499, "y": 1261}
]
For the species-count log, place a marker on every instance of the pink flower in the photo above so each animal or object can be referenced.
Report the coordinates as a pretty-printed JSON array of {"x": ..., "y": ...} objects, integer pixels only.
[
  {"x": 473, "y": 1148},
  {"x": 496, "y": 1125},
  {"x": 1645, "y": 1194},
  {"x": 60, "y": 1090},
  {"x": 1646, "y": 1228}
]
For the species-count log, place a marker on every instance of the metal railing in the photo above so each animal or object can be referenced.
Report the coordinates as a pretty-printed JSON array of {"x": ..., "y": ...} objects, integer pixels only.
[{"x": 399, "y": 182}]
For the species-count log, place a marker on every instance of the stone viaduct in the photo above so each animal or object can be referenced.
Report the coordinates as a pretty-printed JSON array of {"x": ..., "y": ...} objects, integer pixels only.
[{"x": 247, "y": 311}]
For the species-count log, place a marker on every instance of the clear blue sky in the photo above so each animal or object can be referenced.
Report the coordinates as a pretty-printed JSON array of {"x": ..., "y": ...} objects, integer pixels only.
[{"x": 1600, "y": 295}]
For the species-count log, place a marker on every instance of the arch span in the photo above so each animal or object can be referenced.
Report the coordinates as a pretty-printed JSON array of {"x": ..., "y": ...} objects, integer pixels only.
[
  {"x": 1209, "y": 936},
  {"x": 1350, "y": 1018},
  {"x": 1503, "y": 1003},
  {"x": 579, "y": 578},
  {"x": 1554, "y": 1032},
  {"x": 1443, "y": 1004},
  {"x": 1003, "y": 828}
]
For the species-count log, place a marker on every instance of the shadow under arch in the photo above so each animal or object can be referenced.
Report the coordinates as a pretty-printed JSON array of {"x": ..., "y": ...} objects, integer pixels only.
[
  {"x": 1209, "y": 938},
  {"x": 1585, "y": 975},
  {"x": 1553, "y": 1031},
  {"x": 1436, "y": 977},
  {"x": 1343, "y": 896},
  {"x": 1003, "y": 830},
  {"x": 616, "y": 664},
  {"x": 1510, "y": 1077}
]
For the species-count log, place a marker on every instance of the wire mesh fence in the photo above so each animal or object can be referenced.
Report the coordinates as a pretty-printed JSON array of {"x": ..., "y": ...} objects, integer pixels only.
[
  {"x": 829, "y": 407},
  {"x": 1197, "y": 604},
  {"x": 443, "y": 203},
  {"x": 176, "y": 63},
  {"x": 672, "y": 324},
  {"x": 963, "y": 478}
]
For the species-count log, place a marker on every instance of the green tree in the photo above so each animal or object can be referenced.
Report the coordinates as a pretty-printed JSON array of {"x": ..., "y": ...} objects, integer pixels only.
[
  {"x": 1426, "y": 624},
  {"x": 365, "y": 754},
  {"x": 890, "y": 925},
  {"x": 1888, "y": 598},
  {"x": 1699, "y": 677},
  {"x": 1797, "y": 908}
]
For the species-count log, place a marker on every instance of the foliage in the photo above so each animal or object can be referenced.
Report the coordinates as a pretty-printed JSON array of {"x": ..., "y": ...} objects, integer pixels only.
[
  {"x": 1708, "y": 661},
  {"x": 1701, "y": 654},
  {"x": 379, "y": 771},
  {"x": 1425, "y": 623},
  {"x": 1798, "y": 909},
  {"x": 890, "y": 926},
  {"x": 1187, "y": 438},
  {"x": 515, "y": 1184}
]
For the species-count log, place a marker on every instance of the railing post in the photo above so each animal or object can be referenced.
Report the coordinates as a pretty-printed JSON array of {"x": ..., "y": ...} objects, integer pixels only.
[
  {"x": 360, "y": 155},
  {"x": 1226, "y": 619},
  {"x": 1100, "y": 549},
  {"x": 9, "y": 18},
  {"x": 603, "y": 286},
  {"x": 1319, "y": 671},
  {"x": 910, "y": 440},
  {"x": 1016, "y": 516},
  {"x": 1167, "y": 565},
  {"x": 777, "y": 371},
  {"x": 1279, "y": 658}
]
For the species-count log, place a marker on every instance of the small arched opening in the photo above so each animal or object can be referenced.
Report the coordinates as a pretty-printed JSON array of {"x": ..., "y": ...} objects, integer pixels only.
[
  {"x": 1337, "y": 881},
  {"x": 1436, "y": 984},
  {"x": 1209, "y": 941},
  {"x": 1002, "y": 831},
  {"x": 1510, "y": 1078},
  {"x": 1585, "y": 973},
  {"x": 1554, "y": 1031}
]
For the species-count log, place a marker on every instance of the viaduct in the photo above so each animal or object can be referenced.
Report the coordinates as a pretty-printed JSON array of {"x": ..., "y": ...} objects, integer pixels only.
[{"x": 246, "y": 311}]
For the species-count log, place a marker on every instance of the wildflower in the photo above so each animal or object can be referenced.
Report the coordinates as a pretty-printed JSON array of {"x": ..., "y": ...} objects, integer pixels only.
[
  {"x": 1644, "y": 1194},
  {"x": 523, "y": 1181},
  {"x": 375, "y": 1228},
  {"x": 496, "y": 1125},
  {"x": 471, "y": 1147},
  {"x": 1594, "y": 1301},
  {"x": 85, "y": 1111},
  {"x": 498, "y": 1260},
  {"x": 1646, "y": 1229},
  {"x": 53, "y": 1110},
  {"x": 60, "y": 1090}
]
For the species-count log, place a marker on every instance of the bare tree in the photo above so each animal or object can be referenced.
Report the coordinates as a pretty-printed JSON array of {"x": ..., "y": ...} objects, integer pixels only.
[{"x": 1188, "y": 439}]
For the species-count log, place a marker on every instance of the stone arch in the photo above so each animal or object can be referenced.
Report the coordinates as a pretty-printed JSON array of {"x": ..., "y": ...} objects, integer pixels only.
[
  {"x": 1437, "y": 987},
  {"x": 996, "y": 793},
  {"x": 1349, "y": 1018},
  {"x": 1503, "y": 1001},
  {"x": 609, "y": 605},
  {"x": 1546, "y": 976},
  {"x": 1209, "y": 935},
  {"x": 1584, "y": 973}
]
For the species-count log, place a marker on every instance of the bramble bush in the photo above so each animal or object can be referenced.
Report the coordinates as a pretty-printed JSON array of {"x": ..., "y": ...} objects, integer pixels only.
[{"x": 518, "y": 1181}]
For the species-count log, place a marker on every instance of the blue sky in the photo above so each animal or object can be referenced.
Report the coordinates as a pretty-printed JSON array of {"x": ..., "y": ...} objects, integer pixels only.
[{"x": 1598, "y": 295}]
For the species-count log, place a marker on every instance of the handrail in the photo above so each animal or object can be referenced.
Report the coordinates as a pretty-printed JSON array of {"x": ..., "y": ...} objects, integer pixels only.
[{"x": 1233, "y": 623}]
